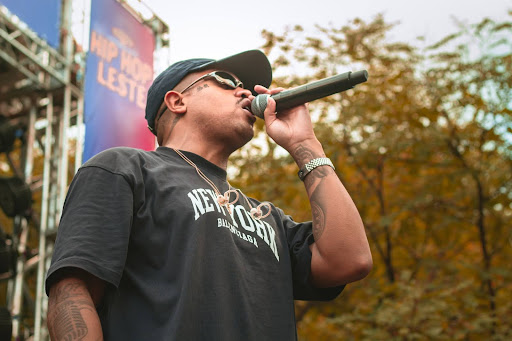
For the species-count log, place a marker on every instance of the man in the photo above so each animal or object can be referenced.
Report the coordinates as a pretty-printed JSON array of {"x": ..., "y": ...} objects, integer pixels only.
[{"x": 158, "y": 246}]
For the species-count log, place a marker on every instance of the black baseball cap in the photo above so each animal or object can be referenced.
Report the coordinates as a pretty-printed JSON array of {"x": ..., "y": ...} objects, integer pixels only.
[{"x": 251, "y": 67}]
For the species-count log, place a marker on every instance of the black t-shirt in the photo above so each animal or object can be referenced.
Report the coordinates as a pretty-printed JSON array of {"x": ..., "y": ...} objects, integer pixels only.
[{"x": 180, "y": 266}]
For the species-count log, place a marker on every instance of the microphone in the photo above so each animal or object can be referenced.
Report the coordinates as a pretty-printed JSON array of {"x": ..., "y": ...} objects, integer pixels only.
[{"x": 309, "y": 92}]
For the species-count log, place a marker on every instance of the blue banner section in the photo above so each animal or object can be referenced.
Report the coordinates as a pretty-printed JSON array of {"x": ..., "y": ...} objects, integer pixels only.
[
  {"x": 118, "y": 73},
  {"x": 42, "y": 16}
]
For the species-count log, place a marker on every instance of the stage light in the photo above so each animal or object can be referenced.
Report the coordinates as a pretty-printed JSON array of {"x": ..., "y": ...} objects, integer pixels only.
[
  {"x": 7, "y": 135},
  {"x": 7, "y": 256},
  {"x": 15, "y": 196}
]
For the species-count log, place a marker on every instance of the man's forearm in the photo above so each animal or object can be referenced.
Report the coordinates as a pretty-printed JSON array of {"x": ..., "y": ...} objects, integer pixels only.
[
  {"x": 341, "y": 253},
  {"x": 71, "y": 312},
  {"x": 302, "y": 155}
]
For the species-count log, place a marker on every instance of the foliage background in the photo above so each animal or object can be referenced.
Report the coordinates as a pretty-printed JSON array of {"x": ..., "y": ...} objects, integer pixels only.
[{"x": 424, "y": 148}]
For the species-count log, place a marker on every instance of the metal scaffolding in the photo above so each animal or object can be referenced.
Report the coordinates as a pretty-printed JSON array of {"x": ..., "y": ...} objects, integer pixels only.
[{"x": 41, "y": 95}]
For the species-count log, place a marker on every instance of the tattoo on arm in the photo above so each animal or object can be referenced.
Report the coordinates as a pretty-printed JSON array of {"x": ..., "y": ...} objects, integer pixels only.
[
  {"x": 66, "y": 316},
  {"x": 318, "y": 220},
  {"x": 303, "y": 155},
  {"x": 317, "y": 173}
]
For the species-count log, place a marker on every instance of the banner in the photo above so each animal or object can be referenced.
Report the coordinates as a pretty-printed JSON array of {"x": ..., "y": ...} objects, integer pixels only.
[
  {"x": 42, "y": 17},
  {"x": 119, "y": 71}
]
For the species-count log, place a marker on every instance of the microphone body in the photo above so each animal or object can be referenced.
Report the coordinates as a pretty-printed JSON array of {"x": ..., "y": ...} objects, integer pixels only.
[{"x": 309, "y": 92}]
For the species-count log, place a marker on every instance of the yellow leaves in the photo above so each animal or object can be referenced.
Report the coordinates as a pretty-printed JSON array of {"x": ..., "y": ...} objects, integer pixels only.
[{"x": 424, "y": 149}]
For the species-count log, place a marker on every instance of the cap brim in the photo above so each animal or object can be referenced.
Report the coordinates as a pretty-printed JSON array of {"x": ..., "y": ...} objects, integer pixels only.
[{"x": 251, "y": 67}]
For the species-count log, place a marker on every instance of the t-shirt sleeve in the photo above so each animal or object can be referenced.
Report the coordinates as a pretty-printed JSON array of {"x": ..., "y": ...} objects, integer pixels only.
[
  {"x": 94, "y": 230},
  {"x": 300, "y": 237}
]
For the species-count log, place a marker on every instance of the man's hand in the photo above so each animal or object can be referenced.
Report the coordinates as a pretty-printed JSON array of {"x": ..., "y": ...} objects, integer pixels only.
[
  {"x": 290, "y": 127},
  {"x": 340, "y": 253}
]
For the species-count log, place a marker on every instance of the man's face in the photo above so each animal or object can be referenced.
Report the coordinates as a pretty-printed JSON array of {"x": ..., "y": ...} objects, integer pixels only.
[{"x": 220, "y": 111}]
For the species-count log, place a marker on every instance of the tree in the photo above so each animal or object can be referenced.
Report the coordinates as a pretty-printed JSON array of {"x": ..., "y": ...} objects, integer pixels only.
[{"x": 424, "y": 149}]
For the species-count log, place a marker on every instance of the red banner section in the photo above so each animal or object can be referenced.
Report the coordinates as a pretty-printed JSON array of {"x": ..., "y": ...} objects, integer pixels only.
[{"x": 119, "y": 71}]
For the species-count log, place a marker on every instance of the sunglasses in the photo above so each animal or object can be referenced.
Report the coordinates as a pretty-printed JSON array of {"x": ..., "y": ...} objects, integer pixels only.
[{"x": 222, "y": 77}]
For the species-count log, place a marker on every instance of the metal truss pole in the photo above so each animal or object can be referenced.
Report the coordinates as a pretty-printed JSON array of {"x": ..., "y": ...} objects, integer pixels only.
[
  {"x": 66, "y": 112},
  {"x": 53, "y": 203},
  {"x": 79, "y": 147},
  {"x": 41, "y": 268},
  {"x": 23, "y": 232}
]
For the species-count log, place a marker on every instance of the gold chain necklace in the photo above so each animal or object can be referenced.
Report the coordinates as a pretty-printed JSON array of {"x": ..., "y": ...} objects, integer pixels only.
[{"x": 223, "y": 200}]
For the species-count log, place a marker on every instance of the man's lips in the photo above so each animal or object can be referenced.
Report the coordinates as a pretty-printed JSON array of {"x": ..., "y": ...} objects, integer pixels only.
[{"x": 246, "y": 105}]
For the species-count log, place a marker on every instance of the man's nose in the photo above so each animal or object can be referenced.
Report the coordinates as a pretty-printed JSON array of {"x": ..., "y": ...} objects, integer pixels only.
[{"x": 244, "y": 93}]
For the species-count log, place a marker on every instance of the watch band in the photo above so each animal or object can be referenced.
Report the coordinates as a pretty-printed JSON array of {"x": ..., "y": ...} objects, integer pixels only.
[{"x": 308, "y": 167}]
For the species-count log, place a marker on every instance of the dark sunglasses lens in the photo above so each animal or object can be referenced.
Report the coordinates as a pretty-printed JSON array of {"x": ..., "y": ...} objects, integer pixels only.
[{"x": 227, "y": 79}]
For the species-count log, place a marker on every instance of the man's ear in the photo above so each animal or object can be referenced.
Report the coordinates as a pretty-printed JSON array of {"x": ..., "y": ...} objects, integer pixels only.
[{"x": 174, "y": 102}]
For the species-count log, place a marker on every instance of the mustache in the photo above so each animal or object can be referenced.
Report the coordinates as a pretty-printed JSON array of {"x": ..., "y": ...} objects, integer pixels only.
[{"x": 243, "y": 99}]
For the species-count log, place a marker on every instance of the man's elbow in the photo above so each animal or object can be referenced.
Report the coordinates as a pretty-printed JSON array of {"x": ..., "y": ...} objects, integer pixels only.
[
  {"x": 341, "y": 273},
  {"x": 356, "y": 270},
  {"x": 363, "y": 267}
]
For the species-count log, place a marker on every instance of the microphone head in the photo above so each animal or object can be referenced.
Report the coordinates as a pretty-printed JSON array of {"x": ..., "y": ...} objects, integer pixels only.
[{"x": 258, "y": 105}]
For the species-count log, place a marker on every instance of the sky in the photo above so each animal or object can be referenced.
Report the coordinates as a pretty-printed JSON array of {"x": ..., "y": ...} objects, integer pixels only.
[{"x": 216, "y": 29}]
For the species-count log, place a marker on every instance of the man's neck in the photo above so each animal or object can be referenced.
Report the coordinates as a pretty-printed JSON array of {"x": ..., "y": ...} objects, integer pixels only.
[{"x": 215, "y": 155}]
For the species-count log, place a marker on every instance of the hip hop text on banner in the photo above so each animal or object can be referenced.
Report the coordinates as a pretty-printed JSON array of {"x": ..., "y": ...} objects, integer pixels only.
[{"x": 119, "y": 71}]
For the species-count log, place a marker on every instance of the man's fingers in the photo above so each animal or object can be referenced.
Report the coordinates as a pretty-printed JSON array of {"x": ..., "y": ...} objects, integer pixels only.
[{"x": 262, "y": 90}]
